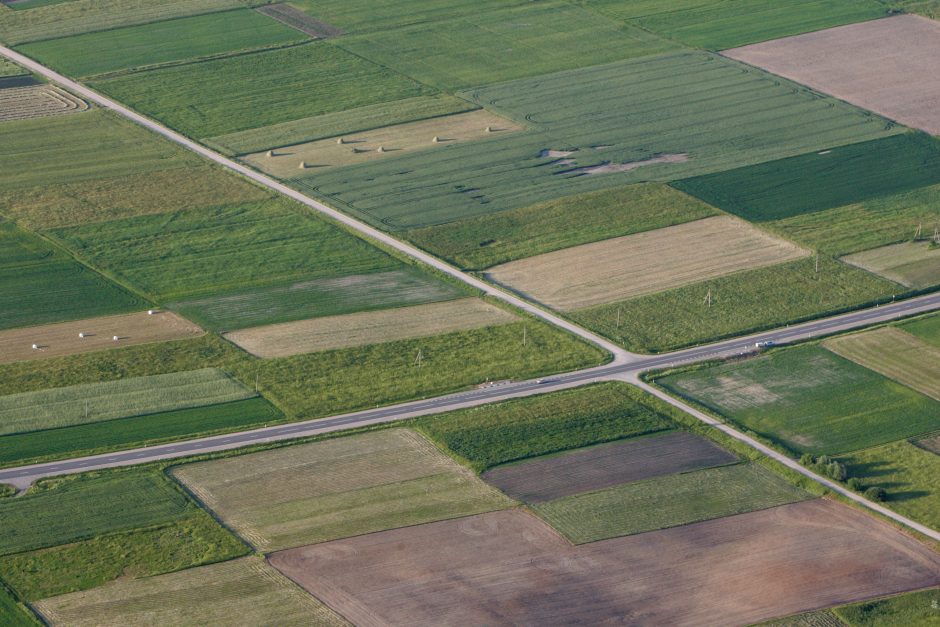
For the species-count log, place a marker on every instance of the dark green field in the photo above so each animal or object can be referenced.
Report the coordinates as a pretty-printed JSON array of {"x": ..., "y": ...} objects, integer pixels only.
[
  {"x": 12, "y": 613},
  {"x": 822, "y": 180},
  {"x": 916, "y": 608},
  {"x": 927, "y": 329},
  {"x": 172, "y": 40}
]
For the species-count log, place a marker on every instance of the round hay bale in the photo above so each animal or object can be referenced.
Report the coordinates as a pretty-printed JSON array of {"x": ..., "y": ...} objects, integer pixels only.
[
  {"x": 270, "y": 153},
  {"x": 435, "y": 140},
  {"x": 115, "y": 338},
  {"x": 380, "y": 149},
  {"x": 35, "y": 347},
  {"x": 340, "y": 141},
  {"x": 302, "y": 166},
  {"x": 488, "y": 129}
]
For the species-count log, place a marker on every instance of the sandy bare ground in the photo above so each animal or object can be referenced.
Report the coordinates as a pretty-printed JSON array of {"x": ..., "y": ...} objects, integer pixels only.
[
  {"x": 55, "y": 340},
  {"x": 371, "y": 327},
  {"x": 510, "y": 568},
  {"x": 394, "y": 140},
  {"x": 604, "y": 466},
  {"x": 913, "y": 264},
  {"x": 644, "y": 263},
  {"x": 888, "y": 66},
  {"x": 37, "y": 101}
]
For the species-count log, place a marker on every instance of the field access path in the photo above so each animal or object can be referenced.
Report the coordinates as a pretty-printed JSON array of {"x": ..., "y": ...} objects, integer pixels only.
[{"x": 625, "y": 366}]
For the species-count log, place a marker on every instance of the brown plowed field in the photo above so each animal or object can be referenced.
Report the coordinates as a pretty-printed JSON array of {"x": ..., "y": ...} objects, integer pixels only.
[
  {"x": 888, "y": 66},
  {"x": 510, "y": 568},
  {"x": 605, "y": 466},
  {"x": 56, "y": 340}
]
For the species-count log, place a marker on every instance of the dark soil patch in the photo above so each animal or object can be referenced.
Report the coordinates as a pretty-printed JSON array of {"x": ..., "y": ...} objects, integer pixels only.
[
  {"x": 18, "y": 81},
  {"x": 298, "y": 20}
]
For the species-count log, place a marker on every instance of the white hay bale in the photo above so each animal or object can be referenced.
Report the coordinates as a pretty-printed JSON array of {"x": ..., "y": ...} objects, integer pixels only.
[
  {"x": 150, "y": 312},
  {"x": 340, "y": 141},
  {"x": 81, "y": 335},
  {"x": 302, "y": 166},
  {"x": 270, "y": 153},
  {"x": 380, "y": 149},
  {"x": 35, "y": 347},
  {"x": 115, "y": 338},
  {"x": 488, "y": 129},
  {"x": 435, "y": 140}
]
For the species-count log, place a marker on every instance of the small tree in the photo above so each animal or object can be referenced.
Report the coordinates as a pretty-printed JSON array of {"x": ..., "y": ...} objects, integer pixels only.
[
  {"x": 876, "y": 493},
  {"x": 855, "y": 484},
  {"x": 836, "y": 470},
  {"x": 807, "y": 460}
]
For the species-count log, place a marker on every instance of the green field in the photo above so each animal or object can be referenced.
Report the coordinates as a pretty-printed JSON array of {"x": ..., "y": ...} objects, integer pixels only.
[
  {"x": 822, "y": 180},
  {"x": 719, "y": 113},
  {"x": 908, "y": 474},
  {"x": 747, "y": 301},
  {"x": 490, "y": 435},
  {"x": 927, "y": 329},
  {"x": 98, "y": 402},
  {"x": 149, "y": 429},
  {"x": 13, "y": 613},
  {"x": 161, "y": 42},
  {"x": 70, "y": 148},
  {"x": 339, "y": 123},
  {"x": 808, "y": 400},
  {"x": 10, "y": 69},
  {"x": 667, "y": 501},
  {"x": 249, "y": 91},
  {"x": 716, "y": 24},
  {"x": 42, "y": 284},
  {"x": 355, "y": 16},
  {"x": 492, "y": 239},
  {"x": 915, "y": 608},
  {"x": 503, "y": 44}
]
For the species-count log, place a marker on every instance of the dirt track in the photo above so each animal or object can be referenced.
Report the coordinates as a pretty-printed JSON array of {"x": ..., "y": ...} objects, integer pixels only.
[{"x": 510, "y": 568}]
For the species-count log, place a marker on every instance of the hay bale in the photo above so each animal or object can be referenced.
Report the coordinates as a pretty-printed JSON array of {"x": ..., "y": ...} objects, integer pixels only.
[
  {"x": 270, "y": 153},
  {"x": 302, "y": 166},
  {"x": 488, "y": 129},
  {"x": 380, "y": 149},
  {"x": 340, "y": 141},
  {"x": 435, "y": 140}
]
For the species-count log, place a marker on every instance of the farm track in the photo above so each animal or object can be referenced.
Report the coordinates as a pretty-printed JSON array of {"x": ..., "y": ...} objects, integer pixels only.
[{"x": 625, "y": 366}]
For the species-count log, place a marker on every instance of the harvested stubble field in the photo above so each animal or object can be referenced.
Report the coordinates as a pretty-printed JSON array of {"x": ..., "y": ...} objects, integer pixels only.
[
  {"x": 232, "y": 94},
  {"x": 494, "y": 434},
  {"x": 43, "y": 285},
  {"x": 822, "y": 180},
  {"x": 887, "y": 66},
  {"x": 582, "y": 470},
  {"x": 395, "y": 141},
  {"x": 644, "y": 263},
  {"x": 364, "y": 328},
  {"x": 339, "y": 123},
  {"x": 246, "y": 591},
  {"x": 895, "y": 354},
  {"x": 501, "y": 237},
  {"x": 715, "y": 24},
  {"x": 808, "y": 399},
  {"x": 620, "y": 113},
  {"x": 667, "y": 501},
  {"x": 337, "y": 488},
  {"x": 744, "y": 302},
  {"x": 37, "y": 101},
  {"x": 61, "y": 339},
  {"x": 912, "y": 264},
  {"x": 100, "y": 200},
  {"x": 161, "y": 42},
  {"x": 523, "y": 573}
]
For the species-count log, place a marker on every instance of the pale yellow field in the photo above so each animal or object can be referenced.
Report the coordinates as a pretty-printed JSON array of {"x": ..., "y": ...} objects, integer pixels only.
[
  {"x": 895, "y": 354},
  {"x": 394, "y": 140},
  {"x": 245, "y": 591},
  {"x": 55, "y": 340},
  {"x": 37, "y": 101},
  {"x": 913, "y": 264},
  {"x": 644, "y": 263},
  {"x": 368, "y": 327}
]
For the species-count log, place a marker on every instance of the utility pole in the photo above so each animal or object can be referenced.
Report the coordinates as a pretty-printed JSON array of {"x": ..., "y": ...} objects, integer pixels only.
[
  {"x": 817, "y": 263},
  {"x": 419, "y": 358},
  {"x": 524, "y": 336},
  {"x": 708, "y": 298},
  {"x": 920, "y": 227},
  {"x": 257, "y": 379},
  {"x": 619, "y": 310}
]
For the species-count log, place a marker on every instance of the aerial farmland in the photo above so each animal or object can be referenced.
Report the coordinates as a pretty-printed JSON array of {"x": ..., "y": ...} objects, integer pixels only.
[{"x": 469, "y": 312}]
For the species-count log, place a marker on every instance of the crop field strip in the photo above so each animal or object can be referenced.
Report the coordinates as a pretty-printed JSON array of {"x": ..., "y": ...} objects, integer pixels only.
[
  {"x": 8, "y": 68},
  {"x": 740, "y": 116},
  {"x": 244, "y": 591},
  {"x": 299, "y": 21},
  {"x": 365, "y": 328},
  {"x": 13, "y": 613},
  {"x": 808, "y": 399},
  {"x": 643, "y": 263},
  {"x": 337, "y": 488},
  {"x": 895, "y": 354},
  {"x": 37, "y": 101},
  {"x": 887, "y": 66},
  {"x": 161, "y": 42},
  {"x": 912, "y": 264},
  {"x": 606, "y": 465},
  {"x": 523, "y": 573},
  {"x": 927, "y": 329}
]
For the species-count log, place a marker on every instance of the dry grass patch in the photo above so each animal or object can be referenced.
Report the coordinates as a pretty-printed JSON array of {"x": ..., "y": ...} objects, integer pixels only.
[
  {"x": 644, "y": 263},
  {"x": 370, "y": 327},
  {"x": 337, "y": 488},
  {"x": 239, "y": 592},
  {"x": 895, "y": 354},
  {"x": 56, "y": 340},
  {"x": 912, "y": 264},
  {"x": 391, "y": 140},
  {"x": 37, "y": 101},
  {"x": 888, "y": 66}
]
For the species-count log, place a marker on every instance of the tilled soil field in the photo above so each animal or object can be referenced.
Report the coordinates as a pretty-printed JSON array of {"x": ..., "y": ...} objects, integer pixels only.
[
  {"x": 510, "y": 568},
  {"x": 606, "y": 465}
]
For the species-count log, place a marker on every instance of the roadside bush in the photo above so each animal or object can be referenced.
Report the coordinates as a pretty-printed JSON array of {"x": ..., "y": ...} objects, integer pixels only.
[{"x": 875, "y": 493}]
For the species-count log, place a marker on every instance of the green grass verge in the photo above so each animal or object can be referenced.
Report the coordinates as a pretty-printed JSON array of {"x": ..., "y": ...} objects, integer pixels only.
[
  {"x": 248, "y": 91},
  {"x": 6, "y": 490},
  {"x": 43, "y": 285},
  {"x": 68, "y": 442},
  {"x": 927, "y": 329},
  {"x": 13, "y": 613},
  {"x": 822, "y": 180},
  {"x": 741, "y": 303},
  {"x": 717, "y": 25},
  {"x": 497, "y": 238},
  {"x": 8, "y": 68},
  {"x": 667, "y": 501},
  {"x": 161, "y": 42},
  {"x": 739, "y": 116},
  {"x": 809, "y": 400},
  {"x": 502, "y": 432},
  {"x": 916, "y": 608}
]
